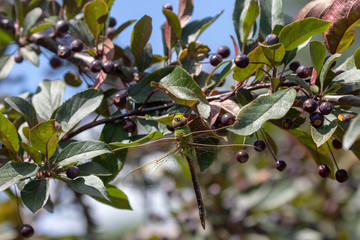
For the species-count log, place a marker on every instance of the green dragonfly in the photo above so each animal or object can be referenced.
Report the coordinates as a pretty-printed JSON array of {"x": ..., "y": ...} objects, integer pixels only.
[{"x": 186, "y": 148}]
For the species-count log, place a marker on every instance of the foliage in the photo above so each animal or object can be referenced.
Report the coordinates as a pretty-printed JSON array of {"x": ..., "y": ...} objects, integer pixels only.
[{"x": 39, "y": 131}]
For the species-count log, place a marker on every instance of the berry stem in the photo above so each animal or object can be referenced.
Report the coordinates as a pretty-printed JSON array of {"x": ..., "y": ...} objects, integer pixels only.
[
  {"x": 213, "y": 71},
  {"x": 147, "y": 99},
  {"x": 17, "y": 206},
  {"x": 267, "y": 143},
  {"x": 332, "y": 155}
]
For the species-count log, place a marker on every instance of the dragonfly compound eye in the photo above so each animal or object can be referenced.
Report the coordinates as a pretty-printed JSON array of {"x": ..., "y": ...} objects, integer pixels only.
[{"x": 179, "y": 122}]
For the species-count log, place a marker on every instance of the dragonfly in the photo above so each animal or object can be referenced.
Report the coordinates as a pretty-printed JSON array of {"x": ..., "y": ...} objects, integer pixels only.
[{"x": 187, "y": 149}]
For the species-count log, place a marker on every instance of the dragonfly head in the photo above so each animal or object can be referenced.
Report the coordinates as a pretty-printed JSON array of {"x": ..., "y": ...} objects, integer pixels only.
[{"x": 179, "y": 121}]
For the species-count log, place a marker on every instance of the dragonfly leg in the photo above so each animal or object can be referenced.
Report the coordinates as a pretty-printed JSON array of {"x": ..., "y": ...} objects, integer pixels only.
[{"x": 196, "y": 186}]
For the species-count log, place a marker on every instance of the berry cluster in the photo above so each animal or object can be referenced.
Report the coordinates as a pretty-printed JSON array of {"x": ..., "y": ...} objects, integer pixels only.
[
  {"x": 222, "y": 52},
  {"x": 316, "y": 118}
]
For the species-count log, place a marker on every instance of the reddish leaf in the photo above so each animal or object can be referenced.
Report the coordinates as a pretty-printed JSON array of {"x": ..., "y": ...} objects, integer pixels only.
[
  {"x": 344, "y": 16},
  {"x": 236, "y": 47},
  {"x": 215, "y": 108},
  {"x": 185, "y": 11},
  {"x": 313, "y": 77},
  {"x": 313, "y": 9}
]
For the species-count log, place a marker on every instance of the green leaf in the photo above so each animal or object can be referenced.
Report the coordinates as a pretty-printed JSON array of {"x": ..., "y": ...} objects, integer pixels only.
[
  {"x": 244, "y": 96},
  {"x": 352, "y": 133},
  {"x": 121, "y": 28},
  {"x": 271, "y": 14},
  {"x": 140, "y": 91},
  {"x": 11, "y": 173},
  {"x": 30, "y": 55},
  {"x": 6, "y": 38},
  {"x": 257, "y": 55},
  {"x": 35, "y": 194},
  {"x": 237, "y": 19},
  {"x": 322, "y": 134},
  {"x": 182, "y": 88},
  {"x": 89, "y": 185},
  {"x": 33, "y": 152},
  {"x": 30, "y": 19},
  {"x": 298, "y": 32},
  {"x": 299, "y": 81},
  {"x": 357, "y": 58},
  {"x": 95, "y": 15},
  {"x": 40, "y": 27},
  {"x": 79, "y": 151},
  {"x": 80, "y": 29},
  {"x": 274, "y": 53},
  {"x": 48, "y": 97},
  {"x": 141, "y": 139},
  {"x": 326, "y": 68},
  {"x": 44, "y": 137},
  {"x": 252, "y": 116},
  {"x": 140, "y": 36},
  {"x": 73, "y": 7},
  {"x": 317, "y": 53},
  {"x": 118, "y": 198},
  {"x": 248, "y": 19},
  {"x": 192, "y": 31},
  {"x": 24, "y": 108},
  {"x": 78, "y": 107},
  {"x": 347, "y": 77},
  {"x": 92, "y": 168},
  {"x": 6, "y": 64},
  {"x": 8, "y": 134},
  {"x": 174, "y": 35}
]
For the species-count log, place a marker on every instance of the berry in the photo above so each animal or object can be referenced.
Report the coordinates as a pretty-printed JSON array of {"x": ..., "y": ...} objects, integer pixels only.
[
  {"x": 324, "y": 170},
  {"x": 26, "y": 230},
  {"x": 280, "y": 165},
  {"x": 338, "y": 72},
  {"x": 336, "y": 144},
  {"x": 341, "y": 175},
  {"x": 18, "y": 58},
  {"x": 108, "y": 67},
  {"x": 95, "y": 66},
  {"x": 242, "y": 156},
  {"x": 168, "y": 6},
  {"x": 259, "y": 145},
  {"x": 72, "y": 172},
  {"x": 303, "y": 71},
  {"x": 62, "y": 26},
  {"x": 112, "y": 22},
  {"x": 294, "y": 66},
  {"x": 130, "y": 125},
  {"x": 287, "y": 123},
  {"x": 119, "y": 100},
  {"x": 316, "y": 119},
  {"x": 227, "y": 119},
  {"x": 310, "y": 105},
  {"x": 333, "y": 64},
  {"x": 76, "y": 45},
  {"x": 64, "y": 52},
  {"x": 55, "y": 62},
  {"x": 72, "y": 79},
  {"x": 326, "y": 108},
  {"x": 271, "y": 39},
  {"x": 223, "y": 51},
  {"x": 215, "y": 59},
  {"x": 109, "y": 31},
  {"x": 241, "y": 60}
]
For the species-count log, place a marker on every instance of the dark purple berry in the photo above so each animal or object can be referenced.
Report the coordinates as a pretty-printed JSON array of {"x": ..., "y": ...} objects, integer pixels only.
[
  {"x": 108, "y": 67},
  {"x": 333, "y": 64},
  {"x": 55, "y": 62},
  {"x": 241, "y": 60},
  {"x": 242, "y": 156},
  {"x": 168, "y": 6},
  {"x": 112, "y": 22},
  {"x": 130, "y": 125},
  {"x": 72, "y": 172},
  {"x": 259, "y": 145},
  {"x": 341, "y": 175},
  {"x": 338, "y": 72},
  {"x": 271, "y": 39},
  {"x": 76, "y": 45},
  {"x": 215, "y": 59},
  {"x": 64, "y": 52},
  {"x": 223, "y": 51},
  {"x": 303, "y": 71},
  {"x": 336, "y": 144},
  {"x": 26, "y": 230},
  {"x": 95, "y": 66},
  {"x": 62, "y": 26},
  {"x": 227, "y": 119},
  {"x": 294, "y": 66},
  {"x": 119, "y": 100},
  {"x": 316, "y": 119},
  {"x": 18, "y": 58},
  {"x": 287, "y": 123},
  {"x": 310, "y": 105},
  {"x": 324, "y": 170},
  {"x": 280, "y": 165},
  {"x": 326, "y": 108}
]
